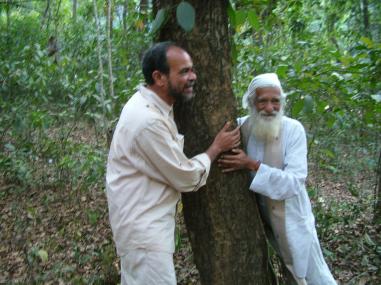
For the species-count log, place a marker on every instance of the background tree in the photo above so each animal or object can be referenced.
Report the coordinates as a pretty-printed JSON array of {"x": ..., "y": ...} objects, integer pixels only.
[{"x": 53, "y": 211}]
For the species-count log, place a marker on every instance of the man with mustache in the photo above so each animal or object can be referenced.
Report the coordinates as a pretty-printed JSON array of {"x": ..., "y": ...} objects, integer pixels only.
[
  {"x": 147, "y": 169},
  {"x": 277, "y": 160}
]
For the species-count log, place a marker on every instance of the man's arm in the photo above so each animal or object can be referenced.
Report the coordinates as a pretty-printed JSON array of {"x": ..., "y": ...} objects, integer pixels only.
[
  {"x": 163, "y": 159},
  {"x": 278, "y": 184}
]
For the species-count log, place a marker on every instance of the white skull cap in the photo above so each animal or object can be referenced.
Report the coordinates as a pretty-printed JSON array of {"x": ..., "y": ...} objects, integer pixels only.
[{"x": 260, "y": 81}]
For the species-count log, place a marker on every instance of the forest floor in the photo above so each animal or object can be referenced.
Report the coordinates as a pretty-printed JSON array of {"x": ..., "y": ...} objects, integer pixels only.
[{"x": 62, "y": 236}]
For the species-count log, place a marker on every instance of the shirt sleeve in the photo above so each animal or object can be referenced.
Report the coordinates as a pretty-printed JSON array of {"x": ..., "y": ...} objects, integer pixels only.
[
  {"x": 280, "y": 184},
  {"x": 163, "y": 159}
]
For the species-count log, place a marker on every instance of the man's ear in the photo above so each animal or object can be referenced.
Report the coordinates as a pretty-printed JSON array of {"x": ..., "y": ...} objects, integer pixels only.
[{"x": 159, "y": 78}]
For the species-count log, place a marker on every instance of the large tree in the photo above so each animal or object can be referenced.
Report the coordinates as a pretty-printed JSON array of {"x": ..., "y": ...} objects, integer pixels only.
[{"x": 222, "y": 219}]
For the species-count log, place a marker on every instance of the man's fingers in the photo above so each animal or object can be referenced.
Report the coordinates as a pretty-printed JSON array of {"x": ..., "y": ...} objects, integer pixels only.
[
  {"x": 236, "y": 145},
  {"x": 236, "y": 131},
  {"x": 226, "y": 126},
  {"x": 228, "y": 170},
  {"x": 236, "y": 138},
  {"x": 227, "y": 157}
]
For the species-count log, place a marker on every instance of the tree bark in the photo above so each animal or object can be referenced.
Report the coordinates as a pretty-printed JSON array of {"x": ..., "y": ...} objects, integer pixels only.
[{"x": 222, "y": 219}]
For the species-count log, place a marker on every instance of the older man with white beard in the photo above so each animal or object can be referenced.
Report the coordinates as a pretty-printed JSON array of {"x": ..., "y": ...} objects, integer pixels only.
[{"x": 277, "y": 159}]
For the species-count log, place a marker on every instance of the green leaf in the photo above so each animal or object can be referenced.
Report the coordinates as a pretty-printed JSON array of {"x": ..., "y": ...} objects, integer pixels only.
[
  {"x": 231, "y": 14},
  {"x": 368, "y": 240},
  {"x": 240, "y": 18},
  {"x": 185, "y": 15},
  {"x": 253, "y": 19},
  {"x": 297, "y": 107},
  {"x": 282, "y": 70},
  {"x": 337, "y": 76},
  {"x": 159, "y": 20},
  {"x": 367, "y": 41},
  {"x": 328, "y": 153},
  {"x": 308, "y": 104},
  {"x": 43, "y": 255}
]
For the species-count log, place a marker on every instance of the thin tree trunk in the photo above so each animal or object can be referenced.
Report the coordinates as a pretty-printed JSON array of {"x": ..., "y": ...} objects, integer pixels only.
[
  {"x": 100, "y": 62},
  {"x": 125, "y": 9},
  {"x": 57, "y": 12},
  {"x": 222, "y": 219},
  {"x": 377, "y": 196},
  {"x": 46, "y": 14},
  {"x": 109, "y": 48},
  {"x": 75, "y": 11},
  {"x": 365, "y": 13},
  {"x": 9, "y": 80},
  {"x": 110, "y": 18}
]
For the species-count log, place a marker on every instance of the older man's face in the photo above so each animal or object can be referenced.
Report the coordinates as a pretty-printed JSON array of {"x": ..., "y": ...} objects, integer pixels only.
[{"x": 267, "y": 101}]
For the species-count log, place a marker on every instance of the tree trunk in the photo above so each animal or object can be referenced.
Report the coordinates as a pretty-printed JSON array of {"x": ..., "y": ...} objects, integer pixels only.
[
  {"x": 124, "y": 16},
  {"x": 9, "y": 78},
  {"x": 102, "y": 93},
  {"x": 377, "y": 196},
  {"x": 109, "y": 48},
  {"x": 46, "y": 16},
  {"x": 110, "y": 17},
  {"x": 222, "y": 219},
  {"x": 365, "y": 12},
  {"x": 74, "y": 11}
]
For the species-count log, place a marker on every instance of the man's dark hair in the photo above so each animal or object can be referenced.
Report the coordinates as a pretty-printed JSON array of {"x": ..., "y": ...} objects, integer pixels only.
[{"x": 155, "y": 58}]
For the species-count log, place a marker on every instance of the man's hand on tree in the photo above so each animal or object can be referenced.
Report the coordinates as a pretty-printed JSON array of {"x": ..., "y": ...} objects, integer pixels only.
[
  {"x": 224, "y": 141},
  {"x": 236, "y": 161}
]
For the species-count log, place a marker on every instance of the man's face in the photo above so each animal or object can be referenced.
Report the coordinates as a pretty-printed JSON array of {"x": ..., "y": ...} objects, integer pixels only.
[
  {"x": 181, "y": 77},
  {"x": 266, "y": 114},
  {"x": 267, "y": 102}
]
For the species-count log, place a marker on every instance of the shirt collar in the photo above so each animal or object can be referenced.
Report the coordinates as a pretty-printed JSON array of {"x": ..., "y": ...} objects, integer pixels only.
[{"x": 154, "y": 99}]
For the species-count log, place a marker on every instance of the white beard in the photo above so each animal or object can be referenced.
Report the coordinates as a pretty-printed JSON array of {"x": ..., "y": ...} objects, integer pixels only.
[{"x": 266, "y": 128}]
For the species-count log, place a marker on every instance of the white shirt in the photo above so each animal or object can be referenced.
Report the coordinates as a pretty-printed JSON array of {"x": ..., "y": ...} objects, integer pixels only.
[
  {"x": 288, "y": 184},
  {"x": 146, "y": 171}
]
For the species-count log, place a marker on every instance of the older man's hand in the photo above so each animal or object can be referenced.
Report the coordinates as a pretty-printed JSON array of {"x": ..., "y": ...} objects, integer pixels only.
[{"x": 236, "y": 161}]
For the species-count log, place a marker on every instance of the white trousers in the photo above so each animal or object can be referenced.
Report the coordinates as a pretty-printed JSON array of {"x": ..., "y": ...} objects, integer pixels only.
[
  {"x": 144, "y": 267},
  {"x": 318, "y": 272}
]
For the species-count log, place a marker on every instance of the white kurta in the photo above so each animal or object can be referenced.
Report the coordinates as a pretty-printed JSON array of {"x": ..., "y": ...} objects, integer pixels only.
[
  {"x": 146, "y": 171},
  {"x": 288, "y": 184}
]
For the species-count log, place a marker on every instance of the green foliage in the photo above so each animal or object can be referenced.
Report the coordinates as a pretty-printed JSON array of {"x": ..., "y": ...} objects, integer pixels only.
[
  {"x": 52, "y": 136},
  {"x": 43, "y": 98},
  {"x": 185, "y": 16},
  {"x": 331, "y": 79}
]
